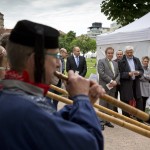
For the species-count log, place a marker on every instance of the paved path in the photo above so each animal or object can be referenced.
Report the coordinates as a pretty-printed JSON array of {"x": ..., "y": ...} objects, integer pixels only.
[{"x": 119, "y": 138}]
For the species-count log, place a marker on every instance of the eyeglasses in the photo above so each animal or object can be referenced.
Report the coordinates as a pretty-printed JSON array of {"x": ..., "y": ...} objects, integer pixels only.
[{"x": 54, "y": 55}]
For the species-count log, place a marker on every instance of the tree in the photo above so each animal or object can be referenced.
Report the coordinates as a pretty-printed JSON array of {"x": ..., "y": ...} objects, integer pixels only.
[
  {"x": 62, "y": 41},
  {"x": 85, "y": 43},
  {"x": 125, "y": 11},
  {"x": 65, "y": 40}
]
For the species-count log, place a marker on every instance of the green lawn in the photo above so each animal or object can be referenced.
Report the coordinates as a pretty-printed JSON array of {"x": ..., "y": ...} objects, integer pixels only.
[{"x": 91, "y": 67}]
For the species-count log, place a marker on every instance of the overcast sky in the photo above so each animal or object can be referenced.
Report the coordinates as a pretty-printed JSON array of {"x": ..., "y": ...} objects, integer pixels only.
[{"x": 64, "y": 15}]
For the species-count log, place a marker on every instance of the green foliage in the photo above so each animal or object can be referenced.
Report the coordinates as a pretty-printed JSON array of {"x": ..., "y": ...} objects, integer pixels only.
[
  {"x": 91, "y": 66},
  {"x": 65, "y": 40},
  {"x": 125, "y": 11},
  {"x": 85, "y": 43},
  {"x": 69, "y": 41},
  {"x": 62, "y": 41}
]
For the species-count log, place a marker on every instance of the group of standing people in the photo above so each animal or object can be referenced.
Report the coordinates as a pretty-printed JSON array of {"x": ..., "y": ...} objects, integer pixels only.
[
  {"x": 125, "y": 75},
  {"x": 74, "y": 62}
]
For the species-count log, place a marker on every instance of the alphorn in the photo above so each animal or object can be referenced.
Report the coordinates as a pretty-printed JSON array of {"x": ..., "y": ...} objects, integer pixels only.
[
  {"x": 106, "y": 117},
  {"x": 62, "y": 91},
  {"x": 108, "y": 111},
  {"x": 135, "y": 112}
]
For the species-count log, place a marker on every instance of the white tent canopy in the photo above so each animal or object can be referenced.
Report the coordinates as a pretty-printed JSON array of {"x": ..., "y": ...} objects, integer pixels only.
[
  {"x": 90, "y": 54},
  {"x": 136, "y": 34}
]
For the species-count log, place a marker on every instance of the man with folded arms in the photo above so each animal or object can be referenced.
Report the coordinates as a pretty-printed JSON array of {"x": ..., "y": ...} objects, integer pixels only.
[{"x": 130, "y": 73}]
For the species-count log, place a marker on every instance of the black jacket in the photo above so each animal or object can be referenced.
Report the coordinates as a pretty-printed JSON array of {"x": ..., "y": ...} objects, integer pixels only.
[
  {"x": 126, "y": 82},
  {"x": 71, "y": 65}
]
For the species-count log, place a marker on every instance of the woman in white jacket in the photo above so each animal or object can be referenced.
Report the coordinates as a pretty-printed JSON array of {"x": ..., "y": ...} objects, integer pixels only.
[{"x": 145, "y": 81}]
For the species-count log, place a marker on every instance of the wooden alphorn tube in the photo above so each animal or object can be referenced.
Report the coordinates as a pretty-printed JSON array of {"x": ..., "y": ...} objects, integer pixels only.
[
  {"x": 106, "y": 117},
  {"x": 108, "y": 111},
  {"x": 127, "y": 119},
  {"x": 135, "y": 112},
  {"x": 62, "y": 91}
]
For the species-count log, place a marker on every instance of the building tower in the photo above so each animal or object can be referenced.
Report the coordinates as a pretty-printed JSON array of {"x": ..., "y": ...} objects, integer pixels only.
[
  {"x": 96, "y": 29},
  {"x": 1, "y": 20}
]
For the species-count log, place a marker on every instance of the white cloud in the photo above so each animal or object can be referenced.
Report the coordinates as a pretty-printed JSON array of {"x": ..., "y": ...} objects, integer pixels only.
[{"x": 64, "y": 15}]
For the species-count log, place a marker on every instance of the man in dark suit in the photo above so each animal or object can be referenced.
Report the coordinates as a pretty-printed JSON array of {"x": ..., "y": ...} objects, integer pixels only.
[
  {"x": 130, "y": 72},
  {"x": 76, "y": 63},
  {"x": 108, "y": 77}
]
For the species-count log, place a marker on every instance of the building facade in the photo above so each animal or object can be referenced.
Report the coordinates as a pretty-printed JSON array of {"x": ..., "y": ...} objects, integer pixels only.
[
  {"x": 114, "y": 26},
  {"x": 2, "y": 29}
]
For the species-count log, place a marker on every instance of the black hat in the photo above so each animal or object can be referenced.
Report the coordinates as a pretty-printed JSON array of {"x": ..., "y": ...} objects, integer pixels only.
[
  {"x": 26, "y": 32},
  {"x": 39, "y": 37}
]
